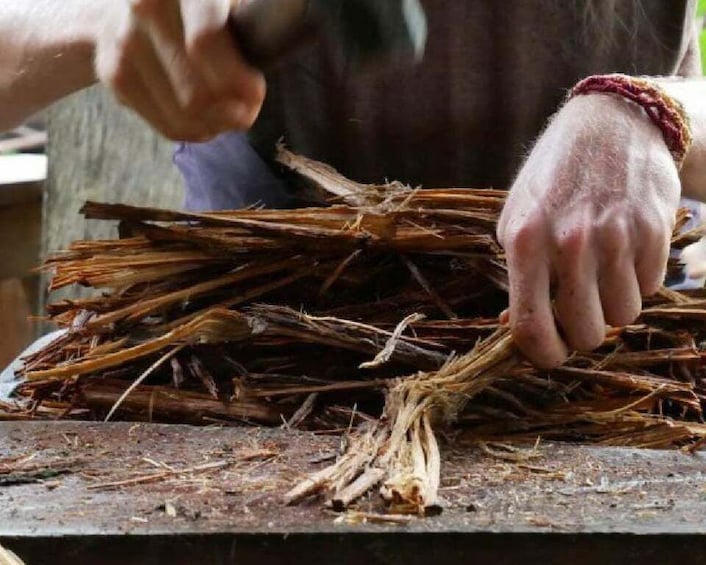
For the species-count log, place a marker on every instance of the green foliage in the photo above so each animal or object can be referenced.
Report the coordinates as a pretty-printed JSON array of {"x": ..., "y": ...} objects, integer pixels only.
[{"x": 701, "y": 14}]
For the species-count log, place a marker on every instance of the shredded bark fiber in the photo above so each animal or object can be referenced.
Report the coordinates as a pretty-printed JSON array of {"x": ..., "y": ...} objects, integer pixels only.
[{"x": 372, "y": 312}]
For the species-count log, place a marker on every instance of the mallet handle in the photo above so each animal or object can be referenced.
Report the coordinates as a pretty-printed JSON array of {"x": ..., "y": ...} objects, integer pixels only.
[{"x": 266, "y": 31}]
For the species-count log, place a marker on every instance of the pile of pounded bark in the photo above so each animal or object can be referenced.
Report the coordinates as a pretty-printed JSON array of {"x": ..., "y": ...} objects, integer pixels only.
[{"x": 376, "y": 311}]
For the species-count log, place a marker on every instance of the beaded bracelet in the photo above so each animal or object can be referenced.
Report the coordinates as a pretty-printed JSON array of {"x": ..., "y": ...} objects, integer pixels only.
[{"x": 666, "y": 112}]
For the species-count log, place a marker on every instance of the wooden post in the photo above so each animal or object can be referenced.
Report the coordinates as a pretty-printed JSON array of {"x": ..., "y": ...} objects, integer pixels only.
[{"x": 21, "y": 187}]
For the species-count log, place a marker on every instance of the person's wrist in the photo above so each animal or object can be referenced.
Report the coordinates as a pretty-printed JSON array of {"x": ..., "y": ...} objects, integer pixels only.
[
  {"x": 607, "y": 119},
  {"x": 647, "y": 97}
]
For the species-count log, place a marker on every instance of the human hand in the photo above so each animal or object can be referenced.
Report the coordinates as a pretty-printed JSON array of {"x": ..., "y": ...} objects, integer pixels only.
[
  {"x": 590, "y": 215},
  {"x": 175, "y": 63},
  {"x": 693, "y": 258}
]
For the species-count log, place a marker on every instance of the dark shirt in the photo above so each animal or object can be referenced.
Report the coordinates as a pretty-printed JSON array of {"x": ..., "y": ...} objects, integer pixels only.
[{"x": 493, "y": 73}]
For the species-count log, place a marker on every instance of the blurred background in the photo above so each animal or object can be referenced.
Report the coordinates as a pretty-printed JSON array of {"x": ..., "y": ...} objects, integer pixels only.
[
  {"x": 701, "y": 15},
  {"x": 23, "y": 170}
]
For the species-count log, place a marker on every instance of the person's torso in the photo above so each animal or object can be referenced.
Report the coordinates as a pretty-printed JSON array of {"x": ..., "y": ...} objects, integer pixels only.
[{"x": 493, "y": 73}]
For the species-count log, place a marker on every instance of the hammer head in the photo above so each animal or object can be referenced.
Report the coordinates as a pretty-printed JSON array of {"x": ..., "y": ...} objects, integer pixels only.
[
  {"x": 376, "y": 33},
  {"x": 372, "y": 32}
]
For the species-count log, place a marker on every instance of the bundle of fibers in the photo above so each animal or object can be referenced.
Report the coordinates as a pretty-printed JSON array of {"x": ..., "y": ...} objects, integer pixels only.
[{"x": 373, "y": 309}]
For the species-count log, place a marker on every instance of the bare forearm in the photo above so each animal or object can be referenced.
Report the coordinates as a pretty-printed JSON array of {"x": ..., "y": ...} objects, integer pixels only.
[
  {"x": 692, "y": 94},
  {"x": 46, "y": 52}
]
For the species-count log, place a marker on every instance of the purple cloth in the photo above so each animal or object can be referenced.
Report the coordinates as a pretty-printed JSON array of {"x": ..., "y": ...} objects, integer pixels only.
[{"x": 227, "y": 173}]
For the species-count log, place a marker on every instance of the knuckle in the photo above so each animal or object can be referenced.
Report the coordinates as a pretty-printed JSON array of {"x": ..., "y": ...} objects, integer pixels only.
[
  {"x": 613, "y": 233},
  {"x": 613, "y": 241},
  {"x": 654, "y": 228},
  {"x": 198, "y": 44},
  {"x": 247, "y": 88},
  {"x": 525, "y": 334},
  {"x": 521, "y": 238},
  {"x": 571, "y": 240},
  {"x": 535, "y": 341},
  {"x": 232, "y": 113}
]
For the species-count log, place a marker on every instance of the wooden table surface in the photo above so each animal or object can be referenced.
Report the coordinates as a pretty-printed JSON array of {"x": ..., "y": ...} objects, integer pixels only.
[{"x": 146, "y": 493}]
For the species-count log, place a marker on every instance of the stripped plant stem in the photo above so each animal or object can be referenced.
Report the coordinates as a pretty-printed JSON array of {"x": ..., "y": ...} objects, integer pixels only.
[{"x": 401, "y": 452}]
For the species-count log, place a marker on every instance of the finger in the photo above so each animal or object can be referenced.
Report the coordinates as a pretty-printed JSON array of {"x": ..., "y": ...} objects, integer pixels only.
[
  {"x": 651, "y": 264},
  {"x": 114, "y": 64},
  {"x": 161, "y": 21},
  {"x": 617, "y": 282},
  {"x": 531, "y": 317},
  {"x": 504, "y": 317},
  {"x": 155, "y": 80},
  {"x": 578, "y": 304},
  {"x": 131, "y": 91},
  {"x": 239, "y": 88},
  {"x": 195, "y": 95},
  {"x": 620, "y": 294}
]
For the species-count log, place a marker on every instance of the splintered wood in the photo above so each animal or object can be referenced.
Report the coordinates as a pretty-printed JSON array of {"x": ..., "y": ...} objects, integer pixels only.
[{"x": 372, "y": 314}]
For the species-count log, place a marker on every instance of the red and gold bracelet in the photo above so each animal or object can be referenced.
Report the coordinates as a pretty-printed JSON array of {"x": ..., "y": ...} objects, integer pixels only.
[{"x": 666, "y": 112}]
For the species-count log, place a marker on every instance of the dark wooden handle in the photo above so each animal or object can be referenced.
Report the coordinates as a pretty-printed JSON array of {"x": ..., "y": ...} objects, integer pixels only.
[{"x": 266, "y": 31}]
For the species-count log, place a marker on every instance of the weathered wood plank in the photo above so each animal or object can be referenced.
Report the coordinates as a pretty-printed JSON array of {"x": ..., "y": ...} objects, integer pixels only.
[
  {"x": 562, "y": 488},
  {"x": 589, "y": 505},
  {"x": 17, "y": 303}
]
